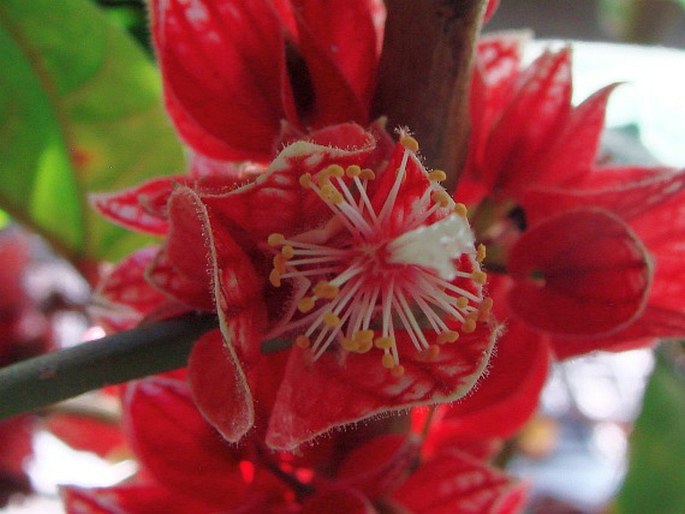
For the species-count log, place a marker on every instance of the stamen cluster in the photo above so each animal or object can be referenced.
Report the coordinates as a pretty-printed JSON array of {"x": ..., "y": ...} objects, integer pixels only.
[{"x": 364, "y": 286}]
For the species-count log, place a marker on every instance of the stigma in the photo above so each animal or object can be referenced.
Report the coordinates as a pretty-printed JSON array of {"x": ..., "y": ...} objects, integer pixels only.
[{"x": 397, "y": 262}]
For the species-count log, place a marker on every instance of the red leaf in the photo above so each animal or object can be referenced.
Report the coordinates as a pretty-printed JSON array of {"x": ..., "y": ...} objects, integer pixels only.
[{"x": 582, "y": 272}]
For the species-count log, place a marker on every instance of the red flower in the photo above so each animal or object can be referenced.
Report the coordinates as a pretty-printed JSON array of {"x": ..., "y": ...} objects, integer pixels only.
[
  {"x": 576, "y": 239},
  {"x": 360, "y": 258},
  {"x": 187, "y": 467},
  {"x": 242, "y": 76}
]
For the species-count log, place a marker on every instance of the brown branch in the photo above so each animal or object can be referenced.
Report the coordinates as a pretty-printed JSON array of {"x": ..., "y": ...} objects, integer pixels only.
[{"x": 424, "y": 75}]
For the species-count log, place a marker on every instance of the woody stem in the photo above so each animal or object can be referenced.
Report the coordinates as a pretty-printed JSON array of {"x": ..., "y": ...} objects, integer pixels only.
[{"x": 424, "y": 75}]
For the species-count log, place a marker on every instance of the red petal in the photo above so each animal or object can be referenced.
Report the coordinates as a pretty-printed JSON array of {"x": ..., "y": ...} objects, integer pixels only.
[
  {"x": 141, "y": 208},
  {"x": 572, "y": 153},
  {"x": 505, "y": 398},
  {"x": 530, "y": 122},
  {"x": 498, "y": 62},
  {"x": 379, "y": 465},
  {"x": 628, "y": 192},
  {"x": 181, "y": 268},
  {"x": 333, "y": 391},
  {"x": 178, "y": 446},
  {"x": 341, "y": 63},
  {"x": 653, "y": 323},
  {"x": 223, "y": 65},
  {"x": 459, "y": 483},
  {"x": 124, "y": 297},
  {"x": 131, "y": 499},
  {"x": 86, "y": 433},
  {"x": 490, "y": 10},
  {"x": 219, "y": 387},
  {"x": 338, "y": 501},
  {"x": 595, "y": 274}
]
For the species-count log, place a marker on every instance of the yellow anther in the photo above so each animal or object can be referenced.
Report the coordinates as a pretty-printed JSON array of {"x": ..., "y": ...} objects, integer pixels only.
[
  {"x": 462, "y": 302},
  {"x": 306, "y": 304},
  {"x": 437, "y": 175},
  {"x": 330, "y": 193},
  {"x": 441, "y": 197},
  {"x": 367, "y": 174},
  {"x": 461, "y": 210},
  {"x": 350, "y": 345},
  {"x": 485, "y": 309},
  {"x": 279, "y": 263},
  {"x": 275, "y": 239},
  {"x": 388, "y": 361},
  {"x": 364, "y": 346},
  {"x": 275, "y": 278},
  {"x": 481, "y": 253},
  {"x": 479, "y": 277},
  {"x": 384, "y": 343},
  {"x": 364, "y": 335},
  {"x": 430, "y": 353},
  {"x": 335, "y": 170},
  {"x": 353, "y": 171},
  {"x": 324, "y": 289},
  {"x": 410, "y": 143},
  {"x": 469, "y": 326},
  {"x": 287, "y": 252},
  {"x": 306, "y": 180},
  {"x": 397, "y": 371},
  {"x": 302, "y": 341},
  {"x": 331, "y": 319},
  {"x": 449, "y": 336}
]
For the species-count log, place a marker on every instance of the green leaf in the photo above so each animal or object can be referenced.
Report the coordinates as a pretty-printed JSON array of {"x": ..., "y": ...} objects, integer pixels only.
[
  {"x": 80, "y": 111},
  {"x": 656, "y": 478}
]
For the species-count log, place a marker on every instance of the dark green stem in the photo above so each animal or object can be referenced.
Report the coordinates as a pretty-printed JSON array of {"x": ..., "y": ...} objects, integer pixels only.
[{"x": 35, "y": 383}]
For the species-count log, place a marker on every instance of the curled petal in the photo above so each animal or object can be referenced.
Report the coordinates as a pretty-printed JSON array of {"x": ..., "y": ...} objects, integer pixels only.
[
  {"x": 582, "y": 272},
  {"x": 219, "y": 387},
  {"x": 253, "y": 208}
]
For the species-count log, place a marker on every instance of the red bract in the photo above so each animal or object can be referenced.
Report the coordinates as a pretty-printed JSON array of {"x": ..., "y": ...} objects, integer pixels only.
[
  {"x": 351, "y": 250},
  {"x": 575, "y": 239},
  {"x": 242, "y": 76},
  {"x": 187, "y": 467}
]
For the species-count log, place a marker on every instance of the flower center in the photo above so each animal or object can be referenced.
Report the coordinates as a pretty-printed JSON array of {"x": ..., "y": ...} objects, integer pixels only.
[{"x": 363, "y": 287}]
